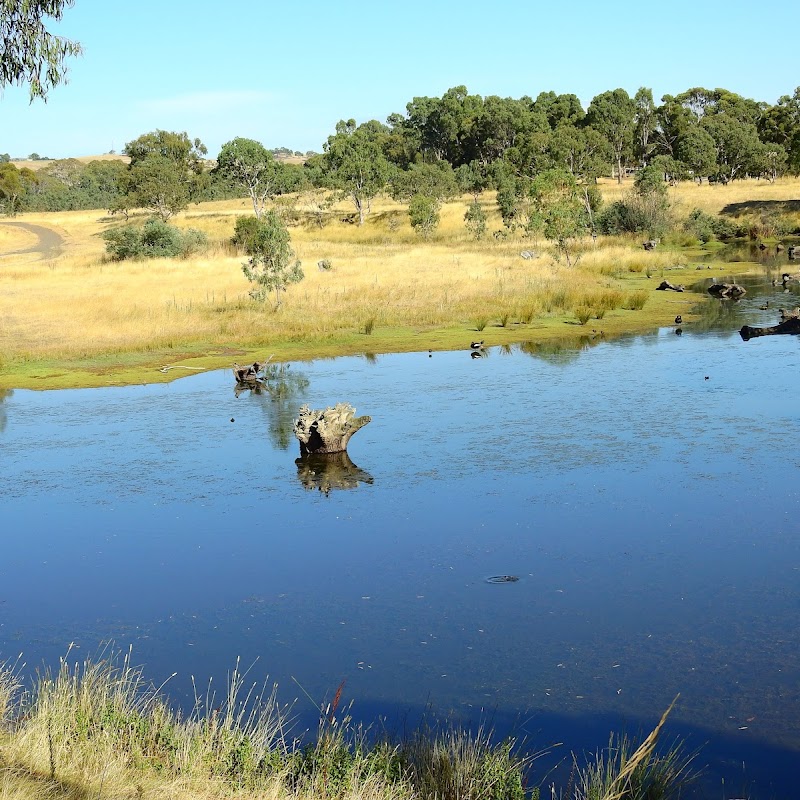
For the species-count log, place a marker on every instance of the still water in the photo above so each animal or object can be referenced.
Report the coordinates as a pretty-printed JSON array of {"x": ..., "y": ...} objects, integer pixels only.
[{"x": 644, "y": 491}]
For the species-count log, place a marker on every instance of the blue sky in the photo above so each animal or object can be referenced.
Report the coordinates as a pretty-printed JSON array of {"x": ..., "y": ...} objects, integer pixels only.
[{"x": 284, "y": 74}]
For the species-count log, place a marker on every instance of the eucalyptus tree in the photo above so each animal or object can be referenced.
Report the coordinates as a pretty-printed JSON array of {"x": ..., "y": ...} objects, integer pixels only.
[
  {"x": 272, "y": 265},
  {"x": 697, "y": 149},
  {"x": 165, "y": 172},
  {"x": 645, "y": 124},
  {"x": 249, "y": 165},
  {"x": 738, "y": 148},
  {"x": 780, "y": 125},
  {"x": 613, "y": 115},
  {"x": 29, "y": 54},
  {"x": 353, "y": 164}
]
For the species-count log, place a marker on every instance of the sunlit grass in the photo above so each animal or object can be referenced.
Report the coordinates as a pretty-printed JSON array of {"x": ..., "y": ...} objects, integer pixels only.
[{"x": 81, "y": 306}]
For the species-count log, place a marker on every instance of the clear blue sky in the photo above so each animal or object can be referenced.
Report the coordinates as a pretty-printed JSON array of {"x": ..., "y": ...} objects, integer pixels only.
[{"x": 284, "y": 74}]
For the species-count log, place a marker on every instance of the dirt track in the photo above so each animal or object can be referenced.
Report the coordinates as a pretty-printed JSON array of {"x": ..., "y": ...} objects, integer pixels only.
[{"x": 50, "y": 243}]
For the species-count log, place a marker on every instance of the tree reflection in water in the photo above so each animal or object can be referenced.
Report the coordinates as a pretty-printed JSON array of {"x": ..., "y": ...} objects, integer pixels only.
[
  {"x": 4, "y": 395},
  {"x": 279, "y": 390}
]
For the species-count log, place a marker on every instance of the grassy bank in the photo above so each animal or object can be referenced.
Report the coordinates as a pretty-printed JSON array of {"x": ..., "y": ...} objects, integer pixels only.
[
  {"x": 97, "y": 729},
  {"x": 77, "y": 319}
]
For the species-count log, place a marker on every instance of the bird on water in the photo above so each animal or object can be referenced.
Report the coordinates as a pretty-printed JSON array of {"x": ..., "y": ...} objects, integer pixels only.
[{"x": 476, "y": 345}]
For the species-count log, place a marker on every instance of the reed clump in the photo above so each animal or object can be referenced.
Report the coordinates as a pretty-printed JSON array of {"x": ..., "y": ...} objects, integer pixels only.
[{"x": 97, "y": 728}]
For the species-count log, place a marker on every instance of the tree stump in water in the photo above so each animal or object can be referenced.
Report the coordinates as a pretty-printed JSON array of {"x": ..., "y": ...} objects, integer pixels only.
[
  {"x": 791, "y": 325},
  {"x": 327, "y": 430}
]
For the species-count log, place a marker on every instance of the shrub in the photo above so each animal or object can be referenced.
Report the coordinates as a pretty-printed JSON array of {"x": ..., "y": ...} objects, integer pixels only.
[
  {"x": 475, "y": 220},
  {"x": 154, "y": 239},
  {"x": 423, "y": 212},
  {"x": 244, "y": 232},
  {"x": 583, "y": 314}
]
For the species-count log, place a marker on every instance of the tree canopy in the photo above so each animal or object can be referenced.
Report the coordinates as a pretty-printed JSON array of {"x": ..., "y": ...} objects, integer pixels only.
[{"x": 29, "y": 54}]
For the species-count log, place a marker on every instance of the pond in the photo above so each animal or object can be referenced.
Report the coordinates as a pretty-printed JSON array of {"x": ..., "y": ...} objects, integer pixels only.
[{"x": 644, "y": 492}]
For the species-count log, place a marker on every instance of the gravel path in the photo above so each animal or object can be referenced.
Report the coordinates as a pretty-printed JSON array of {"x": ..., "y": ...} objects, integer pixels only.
[{"x": 49, "y": 244}]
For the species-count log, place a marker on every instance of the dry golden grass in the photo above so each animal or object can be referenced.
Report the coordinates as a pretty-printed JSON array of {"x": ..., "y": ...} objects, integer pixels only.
[{"x": 81, "y": 307}]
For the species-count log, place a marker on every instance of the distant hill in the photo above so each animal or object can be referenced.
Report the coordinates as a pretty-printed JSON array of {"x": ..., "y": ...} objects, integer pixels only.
[{"x": 43, "y": 162}]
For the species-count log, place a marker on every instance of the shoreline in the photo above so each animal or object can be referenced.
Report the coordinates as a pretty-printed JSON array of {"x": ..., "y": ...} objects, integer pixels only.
[{"x": 160, "y": 366}]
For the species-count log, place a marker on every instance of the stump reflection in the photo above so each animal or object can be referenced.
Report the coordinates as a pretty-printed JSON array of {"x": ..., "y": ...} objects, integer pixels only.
[{"x": 327, "y": 471}]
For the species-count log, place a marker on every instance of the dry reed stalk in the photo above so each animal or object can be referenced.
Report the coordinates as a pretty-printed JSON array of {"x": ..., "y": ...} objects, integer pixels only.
[{"x": 618, "y": 788}]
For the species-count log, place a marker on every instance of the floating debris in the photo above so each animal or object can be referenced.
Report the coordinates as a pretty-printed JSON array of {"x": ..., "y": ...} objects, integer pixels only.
[{"x": 502, "y": 579}]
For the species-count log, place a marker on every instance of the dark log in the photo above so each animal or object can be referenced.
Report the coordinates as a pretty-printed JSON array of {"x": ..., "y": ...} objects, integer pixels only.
[
  {"x": 664, "y": 285},
  {"x": 791, "y": 326},
  {"x": 327, "y": 430},
  {"x": 727, "y": 291}
]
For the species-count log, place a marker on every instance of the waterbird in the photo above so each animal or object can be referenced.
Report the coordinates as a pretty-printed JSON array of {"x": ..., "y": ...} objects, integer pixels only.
[
  {"x": 476, "y": 345},
  {"x": 678, "y": 319}
]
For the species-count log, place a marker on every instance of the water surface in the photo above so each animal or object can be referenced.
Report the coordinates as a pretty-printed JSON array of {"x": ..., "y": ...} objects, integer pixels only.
[{"x": 645, "y": 492}]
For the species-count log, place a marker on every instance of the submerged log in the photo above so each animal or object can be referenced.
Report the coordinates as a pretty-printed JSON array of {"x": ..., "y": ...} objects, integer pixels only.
[
  {"x": 727, "y": 291},
  {"x": 327, "y": 471},
  {"x": 664, "y": 285},
  {"x": 791, "y": 325},
  {"x": 327, "y": 430}
]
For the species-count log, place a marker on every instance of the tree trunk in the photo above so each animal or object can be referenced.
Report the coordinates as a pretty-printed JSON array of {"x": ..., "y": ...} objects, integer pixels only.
[{"x": 327, "y": 430}]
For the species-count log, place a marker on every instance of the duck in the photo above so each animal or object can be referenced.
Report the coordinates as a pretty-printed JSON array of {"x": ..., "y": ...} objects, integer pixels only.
[
  {"x": 678, "y": 319},
  {"x": 476, "y": 345}
]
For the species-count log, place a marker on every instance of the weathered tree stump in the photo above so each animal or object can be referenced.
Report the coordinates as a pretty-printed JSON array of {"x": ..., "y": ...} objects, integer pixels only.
[
  {"x": 249, "y": 373},
  {"x": 792, "y": 314},
  {"x": 327, "y": 471},
  {"x": 791, "y": 325},
  {"x": 727, "y": 291},
  {"x": 664, "y": 285},
  {"x": 327, "y": 430}
]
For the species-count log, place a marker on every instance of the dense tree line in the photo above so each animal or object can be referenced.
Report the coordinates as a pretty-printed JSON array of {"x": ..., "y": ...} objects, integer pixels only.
[{"x": 444, "y": 146}]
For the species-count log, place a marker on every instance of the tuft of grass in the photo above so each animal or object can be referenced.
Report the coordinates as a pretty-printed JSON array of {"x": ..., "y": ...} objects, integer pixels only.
[
  {"x": 636, "y": 300},
  {"x": 583, "y": 314},
  {"x": 369, "y": 326},
  {"x": 481, "y": 323},
  {"x": 621, "y": 773},
  {"x": 504, "y": 318}
]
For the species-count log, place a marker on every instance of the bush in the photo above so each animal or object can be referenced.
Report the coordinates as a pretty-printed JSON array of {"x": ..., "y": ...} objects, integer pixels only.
[
  {"x": 423, "y": 212},
  {"x": 708, "y": 228},
  {"x": 475, "y": 220},
  {"x": 244, "y": 233},
  {"x": 155, "y": 239}
]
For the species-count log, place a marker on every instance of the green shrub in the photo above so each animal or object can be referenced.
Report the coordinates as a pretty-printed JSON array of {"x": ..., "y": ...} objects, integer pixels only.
[
  {"x": 423, "y": 213},
  {"x": 154, "y": 239},
  {"x": 475, "y": 220},
  {"x": 244, "y": 233}
]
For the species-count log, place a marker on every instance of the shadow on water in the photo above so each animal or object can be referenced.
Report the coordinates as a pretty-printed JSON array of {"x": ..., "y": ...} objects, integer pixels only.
[
  {"x": 328, "y": 471},
  {"x": 732, "y": 767},
  {"x": 279, "y": 392}
]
